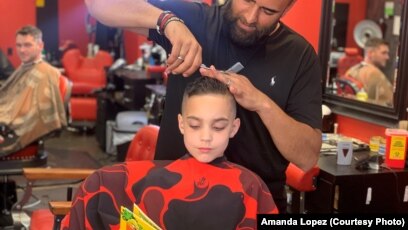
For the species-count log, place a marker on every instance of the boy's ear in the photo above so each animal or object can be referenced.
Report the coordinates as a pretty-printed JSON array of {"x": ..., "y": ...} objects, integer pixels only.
[
  {"x": 180, "y": 123},
  {"x": 235, "y": 126}
]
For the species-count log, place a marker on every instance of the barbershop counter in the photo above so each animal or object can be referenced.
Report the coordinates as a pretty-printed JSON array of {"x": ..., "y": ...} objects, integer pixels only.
[{"x": 357, "y": 188}]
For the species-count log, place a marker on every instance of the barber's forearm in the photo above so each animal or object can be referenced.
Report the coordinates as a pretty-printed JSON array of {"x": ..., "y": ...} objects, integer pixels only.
[
  {"x": 130, "y": 14},
  {"x": 298, "y": 142}
]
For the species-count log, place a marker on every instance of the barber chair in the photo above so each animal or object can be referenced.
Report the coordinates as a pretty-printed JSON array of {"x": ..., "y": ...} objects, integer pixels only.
[
  {"x": 299, "y": 182},
  {"x": 142, "y": 147},
  {"x": 32, "y": 155},
  {"x": 67, "y": 45},
  {"x": 347, "y": 85},
  {"x": 88, "y": 75},
  {"x": 44, "y": 219},
  {"x": 351, "y": 57}
]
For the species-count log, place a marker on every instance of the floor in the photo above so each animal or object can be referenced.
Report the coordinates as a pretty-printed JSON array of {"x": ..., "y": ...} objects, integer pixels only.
[
  {"x": 81, "y": 141},
  {"x": 67, "y": 143}
]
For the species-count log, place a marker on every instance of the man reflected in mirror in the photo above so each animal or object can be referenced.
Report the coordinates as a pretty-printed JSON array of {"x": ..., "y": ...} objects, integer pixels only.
[{"x": 377, "y": 86}]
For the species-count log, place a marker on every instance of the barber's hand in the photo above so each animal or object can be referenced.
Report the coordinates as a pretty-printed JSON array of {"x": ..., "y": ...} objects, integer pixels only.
[
  {"x": 186, "y": 55},
  {"x": 244, "y": 92}
]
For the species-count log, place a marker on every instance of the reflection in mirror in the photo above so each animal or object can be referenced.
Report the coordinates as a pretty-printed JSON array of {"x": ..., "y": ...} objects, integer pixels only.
[{"x": 364, "y": 45}]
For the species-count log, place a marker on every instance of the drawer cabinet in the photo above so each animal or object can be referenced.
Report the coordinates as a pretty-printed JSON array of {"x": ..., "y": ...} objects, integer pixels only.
[
  {"x": 134, "y": 88},
  {"x": 344, "y": 189}
]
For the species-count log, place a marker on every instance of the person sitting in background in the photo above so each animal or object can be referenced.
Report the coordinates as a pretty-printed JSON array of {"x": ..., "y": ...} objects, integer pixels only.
[
  {"x": 378, "y": 88},
  {"x": 6, "y": 68},
  {"x": 30, "y": 101},
  {"x": 201, "y": 190}
]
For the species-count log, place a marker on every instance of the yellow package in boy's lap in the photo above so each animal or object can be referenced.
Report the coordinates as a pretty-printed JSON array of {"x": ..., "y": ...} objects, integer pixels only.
[
  {"x": 139, "y": 213},
  {"x": 136, "y": 220}
]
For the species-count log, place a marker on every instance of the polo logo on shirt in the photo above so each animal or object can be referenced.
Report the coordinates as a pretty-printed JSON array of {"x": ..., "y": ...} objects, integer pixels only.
[{"x": 272, "y": 81}]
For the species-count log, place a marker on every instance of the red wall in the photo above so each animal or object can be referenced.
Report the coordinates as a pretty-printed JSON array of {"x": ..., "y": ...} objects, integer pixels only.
[
  {"x": 71, "y": 18},
  {"x": 132, "y": 43},
  {"x": 304, "y": 17},
  {"x": 358, "y": 129},
  {"x": 72, "y": 15},
  {"x": 16, "y": 13},
  {"x": 13, "y": 15},
  {"x": 357, "y": 12}
]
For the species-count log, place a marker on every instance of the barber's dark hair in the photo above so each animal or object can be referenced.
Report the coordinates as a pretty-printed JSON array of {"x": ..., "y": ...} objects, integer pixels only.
[
  {"x": 30, "y": 30},
  {"x": 207, "y": 85}
]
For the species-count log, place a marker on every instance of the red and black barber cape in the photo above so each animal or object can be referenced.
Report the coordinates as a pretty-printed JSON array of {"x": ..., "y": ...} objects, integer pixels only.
[{"x": 181, "y": 194}]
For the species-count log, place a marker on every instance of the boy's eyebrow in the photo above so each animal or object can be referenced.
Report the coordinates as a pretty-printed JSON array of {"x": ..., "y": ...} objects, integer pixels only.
[
  {"x": 193, "y": 118},
  {"x": 215, "y": 120}
]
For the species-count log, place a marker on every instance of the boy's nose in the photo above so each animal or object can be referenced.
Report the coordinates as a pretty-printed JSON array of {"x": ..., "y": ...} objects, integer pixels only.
[{"x": 206, "y": 135}]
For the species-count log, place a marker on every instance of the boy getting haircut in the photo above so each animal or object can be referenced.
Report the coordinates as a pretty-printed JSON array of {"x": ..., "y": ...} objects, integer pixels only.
[{"x": 200, "y": 190}]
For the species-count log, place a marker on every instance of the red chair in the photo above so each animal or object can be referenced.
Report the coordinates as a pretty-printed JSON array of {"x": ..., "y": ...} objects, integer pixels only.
[
  {"x": 143, "y": 145},
  {"x": 46, "y": 219},
  {"x": 88, "y": 75},
  {"x": 300, "y": 182},
  {"x": 351, "y": 57},
  {"x": 103, "y": 59},
  {"x": 34, "y": 154},
  {"x": 65, "y": 87},
  {"x": 347, "y": 85},
  {"x": 86, "y": 71}
]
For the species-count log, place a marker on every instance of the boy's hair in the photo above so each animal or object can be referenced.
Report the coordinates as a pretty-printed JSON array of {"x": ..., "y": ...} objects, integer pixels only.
[
  {"x": 207, "y": 85},
  {"x": 30, "y": 30}
]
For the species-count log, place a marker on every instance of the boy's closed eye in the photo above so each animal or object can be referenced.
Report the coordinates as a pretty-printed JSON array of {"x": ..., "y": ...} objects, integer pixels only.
[
  {"x": 218, "y": 125},
  {"x": 195, "y": 127}
]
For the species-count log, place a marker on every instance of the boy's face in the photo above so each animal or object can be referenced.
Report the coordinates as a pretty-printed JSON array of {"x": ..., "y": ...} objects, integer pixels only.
[{"x": 207, "y": 123}]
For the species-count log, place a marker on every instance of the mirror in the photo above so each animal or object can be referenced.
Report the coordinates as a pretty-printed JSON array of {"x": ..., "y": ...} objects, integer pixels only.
[{"x": 348, "y": 66}]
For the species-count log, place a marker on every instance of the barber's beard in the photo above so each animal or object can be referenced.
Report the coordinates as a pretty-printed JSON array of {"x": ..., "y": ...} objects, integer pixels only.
[
  {"x": 241, "y": 37},
  {"x": 379, "y": 64}
]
